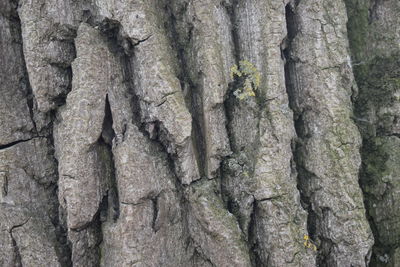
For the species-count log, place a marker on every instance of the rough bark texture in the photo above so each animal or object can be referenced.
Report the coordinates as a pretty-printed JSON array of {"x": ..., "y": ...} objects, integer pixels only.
[
  {"x": 374, "y": 35},
  {"x": 122, "y": 142}
]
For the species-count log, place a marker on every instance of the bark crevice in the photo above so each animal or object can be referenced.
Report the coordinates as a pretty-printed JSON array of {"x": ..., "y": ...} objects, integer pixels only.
[
  {"x": 5, "y": 146},
  {"x": 240, "y": 164},
  {"x": 290, "y": 82},
  {"x": 253, "y": 244},
  {"x": 17, "y": 260},
  {"x": 24, "y": 83},
  {"x": 180, "y": 42}
]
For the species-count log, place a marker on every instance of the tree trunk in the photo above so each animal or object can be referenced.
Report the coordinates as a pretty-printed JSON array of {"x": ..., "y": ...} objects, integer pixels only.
[{"x": 200, "y": 133}]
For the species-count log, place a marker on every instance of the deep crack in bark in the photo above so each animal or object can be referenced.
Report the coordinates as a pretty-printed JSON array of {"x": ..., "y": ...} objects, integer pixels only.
[
  {"x": 17, "y": 260},
  {"x": 290, "y": 83},
  {"x": 194, "y": 103}
]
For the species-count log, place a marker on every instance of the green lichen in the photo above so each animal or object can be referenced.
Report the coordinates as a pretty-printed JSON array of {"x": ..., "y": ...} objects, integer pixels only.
[{"x": 248, "y": 78}]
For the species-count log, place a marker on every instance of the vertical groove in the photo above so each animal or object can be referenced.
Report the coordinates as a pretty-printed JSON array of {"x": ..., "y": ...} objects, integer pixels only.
[
  {"x": 107, "y": 138},
  {"x": 302, "y": 174},
  {"x": 24, "y": 82},
  {"x": 30, "y": 98},
  {"x": 64, "y": 251},
  {"x": 17, "y": 255},
  {"x": 290, "y": 78},
  {"x": 62, "y": 247},
  {"x": 192, "y": 100},
  {"x": 248, "y": 228},
  {"x": 328, "y": 143}
]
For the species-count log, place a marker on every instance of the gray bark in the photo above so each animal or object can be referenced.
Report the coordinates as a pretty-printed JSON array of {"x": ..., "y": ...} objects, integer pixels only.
[{"x": 123, "y": 142}]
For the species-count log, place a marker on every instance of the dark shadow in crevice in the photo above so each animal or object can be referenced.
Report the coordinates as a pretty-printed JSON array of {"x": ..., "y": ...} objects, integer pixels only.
[
  {"x": 5, "y": 146},
  {"x": 244, "y": 151},
  {"x": 303, "y": 175},
  {"x": 154, "y": 202},
  {"x": 17, "y": 260},
  {"x": 107, "y": 137},
  {"x": 25, "y": 86},
  {"x": 62, "y": 246},
  {"x": 59, "y": 221},
  {"x": 253, "y": 239},
  {"x": 181, "y": 42}
]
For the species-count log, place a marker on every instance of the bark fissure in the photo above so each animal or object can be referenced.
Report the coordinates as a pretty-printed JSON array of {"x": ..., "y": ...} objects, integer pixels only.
[
  {"x": 5, "y": 146},
  {"x": 231, "y": 7},
  {"x": 63, "y": 250},
  {"x": 253, "y": 239},
  {"x": 290, "y": 81},
  {"x": 246, "y": 157},
  {"x": 62, "y": 246},
  {"x": 154, "y": 202},
  {"x": 24, "y": 83},
  {"x": 181, "y": 43},
  {"x": 153, "y": 131},
  {"x": 229, "y": 100},
  {"x": 59, "y": 219},
  {"x": 108, "y": 136},
  {"x": 118, "y": 45},
  {"x": 17, "y": 254}
]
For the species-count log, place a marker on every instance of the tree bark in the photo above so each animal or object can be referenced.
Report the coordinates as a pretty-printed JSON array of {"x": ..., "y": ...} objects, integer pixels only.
[{"x": 123, "y": 141}]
